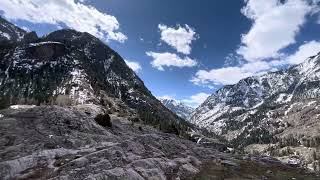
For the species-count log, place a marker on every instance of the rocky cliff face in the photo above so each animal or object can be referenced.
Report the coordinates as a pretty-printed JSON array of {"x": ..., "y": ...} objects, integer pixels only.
[
  {"x": 9, "y": 32},
  {"x": 69, "y": 67},
  {"x": 177, "y": 107},
  {"x": 277, "y": 108}
]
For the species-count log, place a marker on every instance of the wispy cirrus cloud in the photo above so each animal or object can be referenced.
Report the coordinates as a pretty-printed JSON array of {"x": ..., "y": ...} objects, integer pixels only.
[{"x": 74, "y": 14}]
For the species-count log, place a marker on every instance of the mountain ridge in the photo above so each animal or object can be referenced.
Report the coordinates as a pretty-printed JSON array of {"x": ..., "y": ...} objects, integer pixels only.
[
  {"x": 269, "y": 113},
  {"x": 10, "y": 32},
  {"x": 79, "y": 68},
  {"x": 251, "y": 92},
  {"x": 181, "y": 109},
  {"x": 72, "y": 109}
]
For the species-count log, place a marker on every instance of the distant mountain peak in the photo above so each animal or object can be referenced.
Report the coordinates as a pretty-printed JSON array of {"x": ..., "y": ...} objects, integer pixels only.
[{"x": 178, "y": 107}]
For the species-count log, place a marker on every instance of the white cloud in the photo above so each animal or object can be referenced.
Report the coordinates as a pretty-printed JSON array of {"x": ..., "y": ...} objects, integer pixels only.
[
  {"x": 193, "y": 101},
  {"x": 168, "y": 59},
  {"x": 166, "y": 97},
  {"x": 75, "y": 15},
  {"x": 26, "y": 29},
  {"x": 304, "y": 51},
  {"x": 229, "y": 75},
  {"x": 196, "y": 100},
  {"x": 179, "y": 38},
  {"x": 135, "y": 66},
  {"x": 232, "y": 74},
  {"x": 275, "y": 26}
]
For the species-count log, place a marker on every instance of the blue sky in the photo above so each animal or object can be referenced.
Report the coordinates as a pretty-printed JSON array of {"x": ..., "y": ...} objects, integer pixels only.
[{"x": 186, "y": 49}]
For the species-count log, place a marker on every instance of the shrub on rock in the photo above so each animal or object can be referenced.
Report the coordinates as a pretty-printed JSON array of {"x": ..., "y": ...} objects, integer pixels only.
[{"x": 103, "y": 120}]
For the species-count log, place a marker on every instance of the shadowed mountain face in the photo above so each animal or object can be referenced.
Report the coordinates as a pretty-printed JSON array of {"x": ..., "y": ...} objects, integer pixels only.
[{"x": 75, "y": 68}]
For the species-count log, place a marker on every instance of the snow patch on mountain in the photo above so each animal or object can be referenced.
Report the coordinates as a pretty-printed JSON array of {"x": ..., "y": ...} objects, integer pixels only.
[
  {"x": 252, "y": 106},
  {"x": 10, "y": 32},
  {"x": 6, "y": 35},
  {"x": 177, "y": 107}
]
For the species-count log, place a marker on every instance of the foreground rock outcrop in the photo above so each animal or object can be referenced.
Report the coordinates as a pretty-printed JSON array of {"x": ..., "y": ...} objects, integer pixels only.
[{"x": 52, "y": 142}]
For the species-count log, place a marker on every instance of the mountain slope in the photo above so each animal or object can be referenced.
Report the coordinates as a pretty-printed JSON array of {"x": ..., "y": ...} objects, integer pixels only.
[
  {"x": 86, "y": 124},
  {"x": 10, "y": 32},
  {"x": 70, "y": 67},
  {"x": 177, "y": 107},
  {"x": 232, "y": 103},
  {"x": 279, "y": 109}
]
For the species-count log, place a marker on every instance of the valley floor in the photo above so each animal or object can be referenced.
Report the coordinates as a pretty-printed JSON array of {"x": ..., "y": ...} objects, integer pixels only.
[{"x": 52, "y": 142}]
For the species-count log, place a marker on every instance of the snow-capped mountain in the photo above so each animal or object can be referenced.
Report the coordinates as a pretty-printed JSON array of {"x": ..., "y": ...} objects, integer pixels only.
[
  {"x": 97, "y": 128},
  {"x": 177, "y": 107},
  {"x": 247, "y": 108},
  {"x": 70, "y": 67},
  {"x": 270, "y": 113},
  {"x": 9, "y": 32}
]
